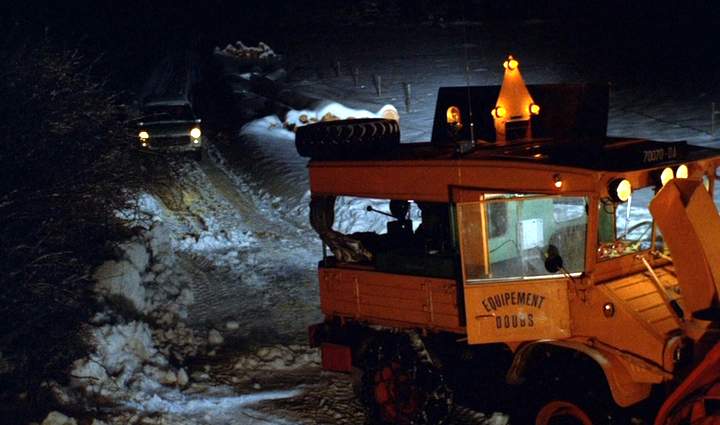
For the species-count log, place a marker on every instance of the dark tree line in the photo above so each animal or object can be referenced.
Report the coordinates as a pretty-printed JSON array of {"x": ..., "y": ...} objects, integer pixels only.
[{"x": 66, "y": 166}]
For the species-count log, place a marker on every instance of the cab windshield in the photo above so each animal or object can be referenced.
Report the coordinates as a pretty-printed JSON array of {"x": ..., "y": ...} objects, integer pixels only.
[
  {"x": 626, "y": 228},
  {"x": 514, "y": 236},
  {"x": 168, "y": 113}
]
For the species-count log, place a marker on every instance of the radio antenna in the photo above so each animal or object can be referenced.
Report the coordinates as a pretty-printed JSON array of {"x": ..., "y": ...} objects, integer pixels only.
[{"x": 467, "y": 81}]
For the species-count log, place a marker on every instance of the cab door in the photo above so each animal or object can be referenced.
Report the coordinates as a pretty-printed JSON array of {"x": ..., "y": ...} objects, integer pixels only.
[{"x": 509, "y": 294}]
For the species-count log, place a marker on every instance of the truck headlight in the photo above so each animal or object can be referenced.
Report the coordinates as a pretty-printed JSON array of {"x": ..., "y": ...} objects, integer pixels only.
[
  {"x": 195, "y": 133},
  {"x": 143, "y": 135}
]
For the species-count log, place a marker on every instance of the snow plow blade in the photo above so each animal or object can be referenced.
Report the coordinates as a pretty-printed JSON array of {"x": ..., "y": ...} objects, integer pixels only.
[{"x": 690, "y": 225}]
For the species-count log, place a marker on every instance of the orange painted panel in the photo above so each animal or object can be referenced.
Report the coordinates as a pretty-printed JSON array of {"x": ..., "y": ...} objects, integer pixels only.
[
  {"x": 666, "y": 325},
  {"x": 390, "y": 298},
  {"x": 332, "y": 306},
  {"x": 431, "y": 180},
  {"x": 646, "y": 302},
  {"x": 444, "y": 308},
  {"x": 657, "y": 314},
  {"x": 390, "y": 292},
  {"x": 517, "y": 311},
  {"x": 391, "y": 302},
  {"x": 446, "y": 321},
  {"x": 408, "y": 316}
]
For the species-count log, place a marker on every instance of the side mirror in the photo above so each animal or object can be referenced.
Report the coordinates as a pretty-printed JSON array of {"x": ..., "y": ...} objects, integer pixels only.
[{"x": 553, "y": 260}]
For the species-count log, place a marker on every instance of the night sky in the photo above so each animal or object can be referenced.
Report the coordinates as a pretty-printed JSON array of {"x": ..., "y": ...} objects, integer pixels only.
[{"x": 669, "y": 40}]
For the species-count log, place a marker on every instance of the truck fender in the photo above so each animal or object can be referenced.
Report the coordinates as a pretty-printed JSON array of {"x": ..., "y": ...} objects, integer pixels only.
[{"x": 624, "y": 389}]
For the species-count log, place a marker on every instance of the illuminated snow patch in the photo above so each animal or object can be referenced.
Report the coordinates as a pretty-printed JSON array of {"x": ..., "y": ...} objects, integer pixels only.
[
  {"x": 332, "y": 111},
  {"x": 180, "y": 404}
]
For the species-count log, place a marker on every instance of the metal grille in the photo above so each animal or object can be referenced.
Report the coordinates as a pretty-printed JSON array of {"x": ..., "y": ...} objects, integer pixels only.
[{"x": 160, "y": 142}]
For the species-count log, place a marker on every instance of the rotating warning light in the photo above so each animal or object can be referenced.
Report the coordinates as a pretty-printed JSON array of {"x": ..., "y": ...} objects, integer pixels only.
[
  {"x": 499, "y": 112},
  {"x": 534, "y": 109},
  {"x": 510, "y": 64},
  {"x": 666, "y": 175},
  {"x": 682, "y": 172},
  {"x": 620, "y": 190}
]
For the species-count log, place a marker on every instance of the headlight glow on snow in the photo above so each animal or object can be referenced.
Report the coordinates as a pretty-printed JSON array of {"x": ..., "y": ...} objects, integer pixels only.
[
  {"x": 143, "y": 135},
  {"x": 195, "y": 133}
]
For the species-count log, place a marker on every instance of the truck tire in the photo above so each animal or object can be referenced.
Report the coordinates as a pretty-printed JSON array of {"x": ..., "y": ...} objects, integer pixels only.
[
  {"x": 398, "y": 387},
  {"x": 567, "y": 404},
  {"x": 347, "y": 139},
  {"x": 566, "y": 412}
]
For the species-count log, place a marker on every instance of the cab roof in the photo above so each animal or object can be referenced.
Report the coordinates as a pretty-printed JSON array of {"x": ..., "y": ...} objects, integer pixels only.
[{"x": 606, "y": 154}]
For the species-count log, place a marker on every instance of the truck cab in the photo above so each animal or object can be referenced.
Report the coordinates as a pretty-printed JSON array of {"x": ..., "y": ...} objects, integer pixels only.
[
  {"x": 527, "y": 255},
  {"x": 169, "y": 121}
]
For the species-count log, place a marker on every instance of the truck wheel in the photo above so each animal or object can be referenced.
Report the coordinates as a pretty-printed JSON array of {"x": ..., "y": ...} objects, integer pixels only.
[
  {"x": 347, "y": 139},
  {"x": 563, "y": 412},
  {"x": 573, "y": 407},
  {"x": 400, "y": 388}
]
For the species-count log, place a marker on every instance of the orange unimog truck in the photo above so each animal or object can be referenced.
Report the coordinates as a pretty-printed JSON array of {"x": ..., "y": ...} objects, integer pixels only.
[{"x": 520, "y": 267}]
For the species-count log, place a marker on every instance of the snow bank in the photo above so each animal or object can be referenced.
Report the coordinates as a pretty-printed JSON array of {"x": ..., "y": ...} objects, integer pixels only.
[
  {"x": 57, "y": 418},
  {"x": 121, "y": 280},
  {"x": 332, "y": 111},
  {"x": 126, "y": 363},
  {"x": 130, "y": 356}
]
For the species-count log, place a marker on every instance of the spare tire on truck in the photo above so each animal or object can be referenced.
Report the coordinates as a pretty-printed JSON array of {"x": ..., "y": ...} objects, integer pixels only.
[{"x": 347, "y": 139}]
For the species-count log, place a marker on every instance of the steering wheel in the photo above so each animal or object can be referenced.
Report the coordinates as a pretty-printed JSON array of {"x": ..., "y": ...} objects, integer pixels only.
[{"x": 645, "y": 223}]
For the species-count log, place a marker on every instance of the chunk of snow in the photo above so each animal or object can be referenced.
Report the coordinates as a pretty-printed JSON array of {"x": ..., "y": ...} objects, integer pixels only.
[
  {"x": 182, "y": 378},
  {"x": 125, "y": 362},
  {"x": 121, "y": 279},
  {"x": 389, "y": 112},
  {"x": 57, "y": 418},
  {"x": 278, "y": 357},
  {"x": 214, "y": 337},
  {"x": 136, "y": 253}
]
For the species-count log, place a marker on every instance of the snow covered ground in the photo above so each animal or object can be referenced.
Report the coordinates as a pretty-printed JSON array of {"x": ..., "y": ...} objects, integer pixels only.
[{"x": 208, "y": 306}]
